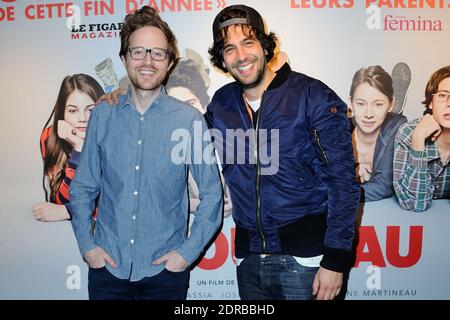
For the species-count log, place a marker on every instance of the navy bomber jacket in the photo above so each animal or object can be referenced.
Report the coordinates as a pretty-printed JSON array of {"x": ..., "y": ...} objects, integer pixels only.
[{"x": 290, "y": 173}]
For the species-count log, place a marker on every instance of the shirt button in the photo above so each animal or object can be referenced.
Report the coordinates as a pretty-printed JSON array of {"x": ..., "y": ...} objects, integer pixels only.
[
  {"x": 137, "y": 167},
  {"x": 139, "y": 142},
  {"x": 135, "y": 193},
  {"x": 142, "y": 118},
  {"x": 437, "y": 187},
  {"x": 134, "y": 217},
  {"x": 132, "y": 241}
]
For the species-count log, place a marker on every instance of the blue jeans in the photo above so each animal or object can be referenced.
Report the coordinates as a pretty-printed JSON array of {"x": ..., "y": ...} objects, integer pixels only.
[
  {"x": 274, "y": 277},
  {"x": 165, "y": 285}
]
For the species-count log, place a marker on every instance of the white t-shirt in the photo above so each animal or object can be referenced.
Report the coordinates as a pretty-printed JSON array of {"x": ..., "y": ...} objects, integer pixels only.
[{"x": 254, "y": 104}]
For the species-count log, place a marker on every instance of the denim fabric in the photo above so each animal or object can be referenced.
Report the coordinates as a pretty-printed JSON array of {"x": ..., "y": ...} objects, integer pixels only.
[
  {"x": 166, "y": 285},
  {"x": 274, "y": 277},
  {"x": 128, "y": 159}
]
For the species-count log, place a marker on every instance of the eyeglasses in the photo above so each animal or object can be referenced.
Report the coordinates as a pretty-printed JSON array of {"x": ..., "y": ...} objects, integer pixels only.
[
  {"x": 139, "y": 53},
  {"x": 441, "y": 96}
]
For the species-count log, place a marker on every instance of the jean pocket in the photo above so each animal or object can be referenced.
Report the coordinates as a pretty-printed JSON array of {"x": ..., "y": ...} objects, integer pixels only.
[
  {"x": 291, "y": 265},
  {"x": 175, "y": 272},
  {"x": 239, "y": 261}
]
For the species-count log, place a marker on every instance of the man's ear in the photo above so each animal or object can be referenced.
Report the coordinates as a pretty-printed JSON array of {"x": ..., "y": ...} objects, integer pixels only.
[
  {"x": 169, "y": 67},
  {"x": 122, "y": 57}
]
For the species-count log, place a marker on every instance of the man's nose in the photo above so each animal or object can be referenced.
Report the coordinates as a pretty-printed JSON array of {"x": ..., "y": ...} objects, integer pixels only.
[
  {"x": 148, "y": 59},
  {"x": 241, "y": 53}
]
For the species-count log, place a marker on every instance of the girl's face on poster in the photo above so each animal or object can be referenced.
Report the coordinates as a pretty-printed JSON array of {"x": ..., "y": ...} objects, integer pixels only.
[
  {"x": 370, "y": 107},
  {"x": 78, "y": 109},
  {"x": 440, "y": 105}
]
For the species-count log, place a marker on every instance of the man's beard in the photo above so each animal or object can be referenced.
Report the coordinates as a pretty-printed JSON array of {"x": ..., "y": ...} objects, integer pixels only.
[
  {"x": 255, "y": 83},
  {"x": 139, "y": 86}
]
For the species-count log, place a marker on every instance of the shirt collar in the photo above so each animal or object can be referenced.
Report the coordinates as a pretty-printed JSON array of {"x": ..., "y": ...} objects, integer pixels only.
[{"x": 128, "y": 100}]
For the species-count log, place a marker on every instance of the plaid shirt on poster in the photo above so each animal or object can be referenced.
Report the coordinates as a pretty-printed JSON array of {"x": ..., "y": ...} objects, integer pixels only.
[{"x": 419, "y": 176}]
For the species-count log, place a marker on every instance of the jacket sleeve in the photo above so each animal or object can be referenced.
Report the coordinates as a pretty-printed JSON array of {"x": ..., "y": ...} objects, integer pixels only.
[
  {"x": 85, "y": 188},
  {"x": 380, "y": 185},
  {"x": 330, "y": 133},
  {"x": 69, "y": 173},
  {"x": 63, "y": 194}
]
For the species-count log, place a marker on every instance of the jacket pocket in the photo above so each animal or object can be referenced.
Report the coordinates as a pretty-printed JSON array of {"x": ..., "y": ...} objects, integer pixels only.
[
  {"x": 331, "y": 143},
  {"x": 319, "y": 146}
]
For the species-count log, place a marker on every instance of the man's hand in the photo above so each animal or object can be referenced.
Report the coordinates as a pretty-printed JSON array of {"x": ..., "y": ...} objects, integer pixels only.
[
  {"x": 71, "y": 135},
  {"x": 327, "y": 284},
  {"x": 49, "y": 212},
  {"x": 97, "y": 258},
  {"x": 113, "y": 97},
  {"x": 427, "y": 127},
  {"x": 174, "y": 262}
]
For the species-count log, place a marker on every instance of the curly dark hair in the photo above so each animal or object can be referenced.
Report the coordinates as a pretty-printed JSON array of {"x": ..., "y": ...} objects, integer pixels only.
[
  {"x": 268, "y": 41},
  {"x": 147, "y": 16}
]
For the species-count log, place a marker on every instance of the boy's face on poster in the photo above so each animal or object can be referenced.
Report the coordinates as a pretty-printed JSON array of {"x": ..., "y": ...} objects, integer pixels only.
[
  {"x": 440, "y": 108},
  {"x": 78, "y": 109},
  {"x": 147, "y": 74},
  {"x": 369, "y": 107},
  {"x": 186, "y": 95},
  {"x": 244, "y": 57}
]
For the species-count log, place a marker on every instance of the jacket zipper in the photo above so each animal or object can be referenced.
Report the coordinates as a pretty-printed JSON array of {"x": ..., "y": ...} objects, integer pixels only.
[
  {"x": 258, "y": 178},
  {"x": 317, "y": 142}
]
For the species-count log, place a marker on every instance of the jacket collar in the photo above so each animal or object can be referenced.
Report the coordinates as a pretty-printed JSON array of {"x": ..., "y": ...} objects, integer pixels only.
[{"x": 282, "y": 75}]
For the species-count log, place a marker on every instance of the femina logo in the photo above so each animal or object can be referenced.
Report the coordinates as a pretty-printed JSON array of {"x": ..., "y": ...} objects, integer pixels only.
[
  {"x": 401, "y": 23},
  {"x": 376, "y": 21},
  {"x": 369, "y": 249}
]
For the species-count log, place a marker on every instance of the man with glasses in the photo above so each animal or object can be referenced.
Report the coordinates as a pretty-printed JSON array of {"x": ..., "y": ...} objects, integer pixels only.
[
  {"x": 141, "y": 248},
  {"x": 422, "y": 149}
]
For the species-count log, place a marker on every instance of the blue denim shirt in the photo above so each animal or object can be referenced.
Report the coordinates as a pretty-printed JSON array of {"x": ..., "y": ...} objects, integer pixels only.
[{"x": 128, "y": 159}]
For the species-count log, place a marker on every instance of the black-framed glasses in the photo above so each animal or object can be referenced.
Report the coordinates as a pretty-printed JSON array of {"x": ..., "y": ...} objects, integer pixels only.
[
  {"x": 139, "y": 53},
  {"x": 441, "y": 96}
]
